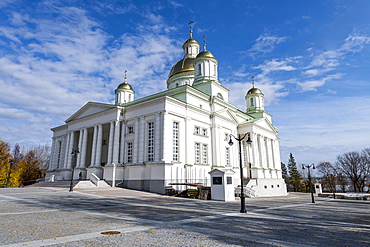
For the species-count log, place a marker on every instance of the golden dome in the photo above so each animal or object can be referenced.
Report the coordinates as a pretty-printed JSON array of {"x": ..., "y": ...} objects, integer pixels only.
[
  {"x": 254, "y": 90},
  {"x": 184, "y": 65},
  {"x": 124, "y": 85},
  {"x": 205, "y": 54},
  {"x": 190, "y": 41}
]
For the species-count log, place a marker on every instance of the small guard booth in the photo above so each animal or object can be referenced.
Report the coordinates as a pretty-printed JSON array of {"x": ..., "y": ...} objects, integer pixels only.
[
  {"x": 318, "y": 188},
  {"x": 222, "y": 185}
]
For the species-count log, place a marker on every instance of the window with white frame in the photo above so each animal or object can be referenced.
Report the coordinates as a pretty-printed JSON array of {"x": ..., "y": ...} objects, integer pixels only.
[
  {"x": 129, "y": 152},
  {"x": 150, "y": 141},
  {"x": 197, "y": 153},
  {"x": 197, "y": 130},
  {"x": 204, "y": 154},
  {"x": 175, "y": 141},
  {"x": 226, "y": 136},
  {"x": 204, "y": 132},
  {"x": 227, "y": 156},
  {"x": 130, "y": 129}
]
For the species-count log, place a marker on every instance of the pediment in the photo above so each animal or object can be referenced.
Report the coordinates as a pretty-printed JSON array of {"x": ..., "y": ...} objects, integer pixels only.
[
  {"x": 226, "y": 113},
  {"x": 89, "y": 109},
  {"x": 265, "y": 124}
]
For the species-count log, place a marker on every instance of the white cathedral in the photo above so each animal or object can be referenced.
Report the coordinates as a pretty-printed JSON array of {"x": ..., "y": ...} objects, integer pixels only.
[{"x": 177, "y": 136}]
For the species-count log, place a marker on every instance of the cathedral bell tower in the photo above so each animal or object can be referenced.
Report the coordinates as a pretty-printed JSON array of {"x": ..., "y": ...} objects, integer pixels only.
[
  {"x": 255, "y": 100},
  {"x": 205, "y": 66},
  {"x": 124, "y": 92}
]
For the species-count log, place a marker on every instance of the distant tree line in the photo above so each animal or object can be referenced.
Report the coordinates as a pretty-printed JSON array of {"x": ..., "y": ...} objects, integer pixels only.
[
  {"x": 351, "y": 168},
  {"x": 19, "y": 168}
]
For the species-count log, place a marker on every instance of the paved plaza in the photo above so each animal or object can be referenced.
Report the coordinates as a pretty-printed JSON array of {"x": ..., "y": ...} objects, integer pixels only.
[{"x": 38, "y": 216}]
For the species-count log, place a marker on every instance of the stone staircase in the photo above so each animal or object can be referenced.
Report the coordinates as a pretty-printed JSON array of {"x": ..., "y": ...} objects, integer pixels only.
[
  {"x": 94, "y": 182},
  {"x": 59, "y": 184}
]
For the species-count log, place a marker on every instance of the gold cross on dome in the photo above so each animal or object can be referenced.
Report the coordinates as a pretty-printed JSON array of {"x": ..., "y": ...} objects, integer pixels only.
[{"x": 191, "y": 28}]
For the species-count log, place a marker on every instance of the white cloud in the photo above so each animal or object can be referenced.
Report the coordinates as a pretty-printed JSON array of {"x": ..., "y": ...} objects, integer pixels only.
[
  {"x": 265, "y": 43},
  {"x": 328, "y": 127},
  {"x": 354, "y": 43},
  {"x": 4, "y": 3},
  {"x": 52, "y": 66},
  {"x": 314, "y": 84},
  {"x": 275, "y": 65}
]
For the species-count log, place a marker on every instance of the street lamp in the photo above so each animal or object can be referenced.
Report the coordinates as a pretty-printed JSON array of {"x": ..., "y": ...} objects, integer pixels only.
[
  {"x": 249, "y": 141},
  {"x": 309, "y": 179},
  {"x": 75, "y": 151}
]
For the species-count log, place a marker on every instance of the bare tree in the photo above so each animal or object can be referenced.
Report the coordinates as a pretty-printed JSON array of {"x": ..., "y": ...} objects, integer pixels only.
[
  {"x": 342, "y": 181},
  {"x": 355, "y": 165},
  {"x": 329, "y": 176},
  {"x": 42, "y": 154}
]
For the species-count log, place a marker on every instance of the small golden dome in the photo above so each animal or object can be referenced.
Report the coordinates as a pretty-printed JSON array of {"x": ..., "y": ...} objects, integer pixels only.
[
  {"x": 190, "y": 41},
  {"x": 254, "y": 90},
  {"x": 205, "y": 54},
  {"x": 124, "y": 85},
  {"x": 184, "y": 65}
]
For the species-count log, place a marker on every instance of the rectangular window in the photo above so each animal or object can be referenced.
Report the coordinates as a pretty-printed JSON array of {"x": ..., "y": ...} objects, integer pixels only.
[
  {"x": 204, "y": 132},
  {"x": 197, "y": 153},
  {"x": 197, "y": 130},
  {"x": 129, "y": 152},
  {"x": 227, "y": 156},
  {"x": 199, "y": 69},
  {"x": 150, "y": 141},
  {"x": 205, "y": 154},
  {"x": 130, "y": 129},
  {"x": 175, "y": 141}
]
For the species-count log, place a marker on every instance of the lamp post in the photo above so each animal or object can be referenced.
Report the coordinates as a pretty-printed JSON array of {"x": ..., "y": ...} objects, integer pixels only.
[
  {"x": 309, "y": 179},
  {"x": 75, "y": 151},
  {"x": 242, "y": 195}
]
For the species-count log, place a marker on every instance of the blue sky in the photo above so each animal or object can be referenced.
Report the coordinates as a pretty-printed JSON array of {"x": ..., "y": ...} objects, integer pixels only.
[{"x": 310, "y": 59}]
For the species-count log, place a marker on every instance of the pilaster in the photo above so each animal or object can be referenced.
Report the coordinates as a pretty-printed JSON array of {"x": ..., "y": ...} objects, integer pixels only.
[{"x": 84, "y": 148}]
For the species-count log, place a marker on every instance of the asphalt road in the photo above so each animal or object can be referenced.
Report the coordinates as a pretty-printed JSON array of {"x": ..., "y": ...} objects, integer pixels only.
[{"x": 55, "y": 217}]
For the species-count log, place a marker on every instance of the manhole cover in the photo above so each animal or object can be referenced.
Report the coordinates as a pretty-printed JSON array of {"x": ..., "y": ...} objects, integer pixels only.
[{"x": 110, "y": 233}]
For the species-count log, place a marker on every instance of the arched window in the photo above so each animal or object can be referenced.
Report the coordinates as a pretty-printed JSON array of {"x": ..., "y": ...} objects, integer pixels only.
[
  {"x": 220, "y": 96},
  {"x": 252, "y": 102}
]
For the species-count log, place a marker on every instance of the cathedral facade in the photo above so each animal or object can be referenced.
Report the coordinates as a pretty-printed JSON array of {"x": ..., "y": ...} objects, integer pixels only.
[{"x": 172, "y": 138}]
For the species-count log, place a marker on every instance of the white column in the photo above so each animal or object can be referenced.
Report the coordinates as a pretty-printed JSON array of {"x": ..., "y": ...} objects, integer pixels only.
[
  {"x": 54, "y": 154},
  {"x": 255, "y": 147},
  {"x": 78, "y": 161},
  {"x": 136, "y": 141},
  {"x": 213, "y": 143},
  {"x": 157, "y": 138},
  {"x": 99, "y": 145},
  {"x": 84, "y": 148},
  {"x": 167, "y": 142},
  {"x": 69, "y": 153},
  {"x": 123, "y": 141},
  {"x": 93, "y": 151},
  {"x": 260, "y": 151},
  {"x": 142, "y": 144},
  {"x": 66, "y": 150},
  {"x": 116, "y": 142},
  {"x": 187, "y": 152},
  {"x": 110, "y": 145},
  {"x": 270, "y": 153}
]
